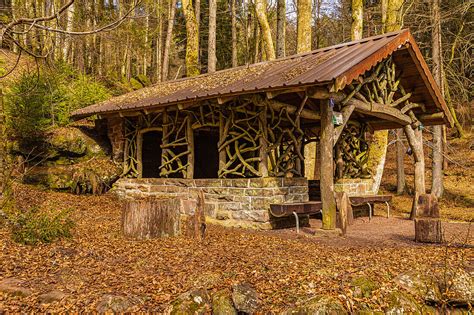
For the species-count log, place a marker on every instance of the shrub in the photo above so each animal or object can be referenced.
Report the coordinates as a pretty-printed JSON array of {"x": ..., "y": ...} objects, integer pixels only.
[{"x": 33, "y": 226}]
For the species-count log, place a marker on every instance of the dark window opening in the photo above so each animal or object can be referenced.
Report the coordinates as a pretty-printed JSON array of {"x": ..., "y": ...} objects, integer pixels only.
[
  {"x": 206, "y": 154},
  {"x": 151, "y": 154}
]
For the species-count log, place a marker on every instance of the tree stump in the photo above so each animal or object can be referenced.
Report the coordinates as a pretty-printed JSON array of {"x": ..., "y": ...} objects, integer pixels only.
[
  {"x": 427, "y": 221},
  {"x": 151, "y": 218},
  {"x": 428, "y": 230}
]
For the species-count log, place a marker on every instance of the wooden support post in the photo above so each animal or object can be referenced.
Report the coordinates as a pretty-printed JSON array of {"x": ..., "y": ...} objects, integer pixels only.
[
  {"x": 222, "y": 154},
  {"x": 346, "y": 114},
  {"x": 263, "y": 166},
  {"x": 164, "y": 140},
  {"x": 327, "y": 167},
  {"x": 190, "y": 140},
  {"x": 415, "y": 139}
]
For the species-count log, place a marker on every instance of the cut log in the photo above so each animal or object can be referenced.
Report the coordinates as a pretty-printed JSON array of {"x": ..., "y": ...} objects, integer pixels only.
[
  {"x": 428, "y": 230},
  {"x": 424, "y": 206},
  {"x": 194, "y": 225},
  {"x": 151, "y": 218}
]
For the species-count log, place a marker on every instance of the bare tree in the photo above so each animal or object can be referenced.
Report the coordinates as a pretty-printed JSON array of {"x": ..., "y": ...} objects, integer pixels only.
[
  {"x": 169, "y": 36},
  {"x": 211, "y": 50},
  {"x": 303, "y": 41},
  {"x": 281, "y": 25}
]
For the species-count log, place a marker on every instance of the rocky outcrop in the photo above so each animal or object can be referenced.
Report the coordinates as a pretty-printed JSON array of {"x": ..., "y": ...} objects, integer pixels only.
[
  {"x": 70, "y": 158},
  {"x": 319, "y": 305},
  {"x": 114, "y": 304},
  {"x": 193, "y": 302},
  {"x": 222, "y": 303},
  {"x": 245, "y": 298},
  {"x": 51, "y": 296},
  {"x": 14, "y": 287}
]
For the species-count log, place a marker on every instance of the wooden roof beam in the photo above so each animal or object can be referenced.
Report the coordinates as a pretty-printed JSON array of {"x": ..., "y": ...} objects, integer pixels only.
[{"x": 382, "y": 111}]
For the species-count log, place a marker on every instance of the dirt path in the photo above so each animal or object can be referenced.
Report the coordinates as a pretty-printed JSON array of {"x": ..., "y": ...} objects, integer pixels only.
[{"x": 383, "y": 232}]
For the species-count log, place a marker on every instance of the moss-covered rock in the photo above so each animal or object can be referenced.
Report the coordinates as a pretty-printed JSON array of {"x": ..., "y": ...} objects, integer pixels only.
[
  {"x": 363, "y": 287},
  {"x": 422, "y": 286},
  {"x": 400, "y": 302},
  {"x": 193, "y": 302},
  {"x": 94, "y": 176},
  {"x": 71, "y": 141},
  {"x": 222, "y": 303},
  {"x": 245, "y": 298},
  {"x": 319, "y": 305}
]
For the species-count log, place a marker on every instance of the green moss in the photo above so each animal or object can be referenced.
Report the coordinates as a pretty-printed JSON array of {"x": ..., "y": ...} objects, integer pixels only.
[
  {"x": 377, "y": 150},
  {"x": 363, "y": 287}
]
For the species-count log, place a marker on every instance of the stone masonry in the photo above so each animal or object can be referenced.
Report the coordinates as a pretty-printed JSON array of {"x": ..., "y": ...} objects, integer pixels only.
[
  {"x": 230, "y": 202},
  {"x": 355, "y": 186},
  {"x": 115, "y": 134}
]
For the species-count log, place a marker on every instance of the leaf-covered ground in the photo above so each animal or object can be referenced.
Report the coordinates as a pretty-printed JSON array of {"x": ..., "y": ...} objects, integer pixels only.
[{"x": 284, "y": 268}]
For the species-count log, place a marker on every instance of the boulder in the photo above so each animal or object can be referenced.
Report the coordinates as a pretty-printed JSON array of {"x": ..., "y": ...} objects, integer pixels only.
[
  {"x": 319, "y": 305},
  {"x": 420, "y": 285},
  {"x": 193, "y": 302},
  {"x": 51, "y": 297},
  {"x": 222, "y": 303},
  {"x": 14, "y": 287},
  {"x": 245, "y": 298},
  {"x": 402, "y": 303},
  {"x": 69, "y": 141},
  {"x": 362, "y": 287},
  {"x": 458, "y": 287},
  {"x": 114, "y": 304}
]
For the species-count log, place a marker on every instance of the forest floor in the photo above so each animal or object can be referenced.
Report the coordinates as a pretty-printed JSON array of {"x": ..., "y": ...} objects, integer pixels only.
[{"x": 285, "y": 268}]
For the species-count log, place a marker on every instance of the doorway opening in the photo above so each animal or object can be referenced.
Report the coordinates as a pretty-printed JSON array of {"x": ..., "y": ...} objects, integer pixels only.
[
  {"x": 151, "y": 154},
  {"x": 206, "y": 154}
]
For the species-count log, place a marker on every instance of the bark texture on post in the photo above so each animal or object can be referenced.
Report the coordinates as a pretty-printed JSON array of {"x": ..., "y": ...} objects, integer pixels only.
[
  {"x": 415, "y": 139},
  {"x": 401, "y": 183},
  {"x": 151, "y": 218},
  {"x": 327, "y": 167},
  {"x": 303, "y": 43},
  {"x": 345, "y": 216},
  {"x": 3, "y": 151}
]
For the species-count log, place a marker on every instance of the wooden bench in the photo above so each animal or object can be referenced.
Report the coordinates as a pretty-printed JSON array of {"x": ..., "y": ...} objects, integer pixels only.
[
  {"x": 369, "y": 200},
  {"x": 281, "y": 210}
]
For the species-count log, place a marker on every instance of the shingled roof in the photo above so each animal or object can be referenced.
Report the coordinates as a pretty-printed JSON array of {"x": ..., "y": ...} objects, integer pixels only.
[{"x": 334, "y": 66}]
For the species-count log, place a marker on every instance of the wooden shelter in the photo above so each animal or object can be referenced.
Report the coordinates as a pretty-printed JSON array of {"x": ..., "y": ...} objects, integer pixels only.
[{"x": 239, "y": 134}]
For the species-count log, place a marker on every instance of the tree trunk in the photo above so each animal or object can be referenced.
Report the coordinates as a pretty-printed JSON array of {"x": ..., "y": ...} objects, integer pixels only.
[
  {"x": 169, "y": 35},
  {"x": 260, "y": 10},
  {"x": 428, "y": 230},
  {"x": 303, "y": 43},
  {"x": 394, "y": 15},
  {"x": 401, "y": 183},
  {"x": 327, "y": 167},
  {"x": 69, "y": 28},
  {"x": 197, "y": 14},
  {"x": 235, "y": 62},
  {"x": 192, "y": 39},
  {"x": 3, "y": 146},
  {"x": 281, "y": 28},
  {"x": 415, "y": 139},
  {"x": 211, "y": 50},
  {"x": 151, "y": 218},
  {"x": 437, "y": 161},
  {"x": 345, "y": 217},
  {"x": 357, "y": 19}
]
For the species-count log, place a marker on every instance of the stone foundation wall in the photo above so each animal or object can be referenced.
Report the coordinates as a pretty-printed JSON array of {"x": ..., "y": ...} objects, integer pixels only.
[
  {"x": 355, "y": 186},
  {"x": 231, "y": 202},
  {"x": 116, "y": 137}
]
